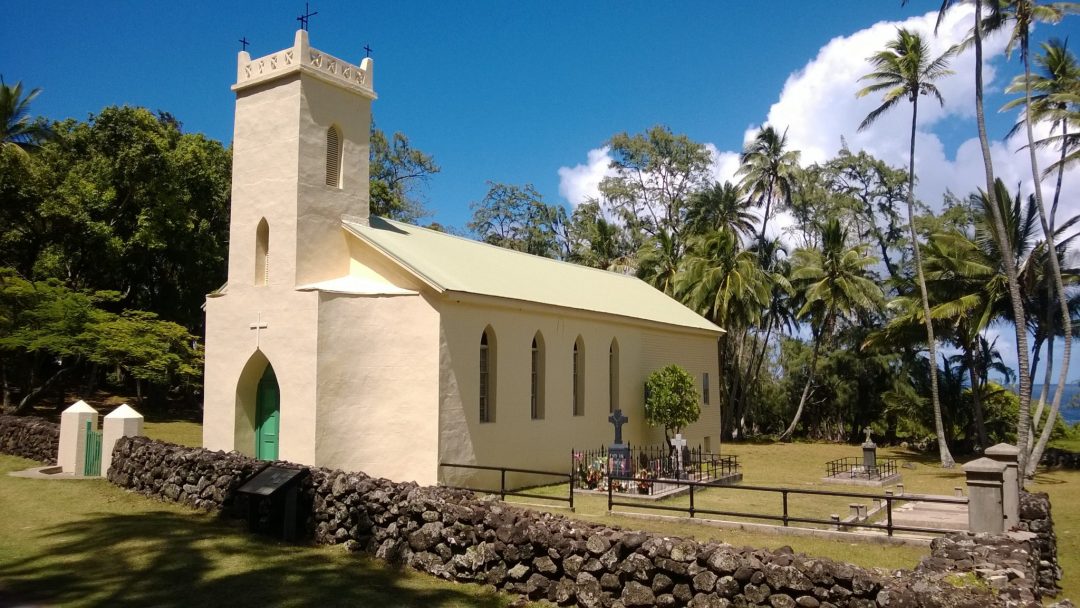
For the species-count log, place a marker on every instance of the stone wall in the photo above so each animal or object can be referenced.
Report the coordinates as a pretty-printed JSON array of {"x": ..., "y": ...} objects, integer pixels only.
[
  {"x": 456, "y": 536},
  {"x": 1035, "y": 518},
  {"x": 29, "y": 437},
  {"x": 1058, "y": 458}
]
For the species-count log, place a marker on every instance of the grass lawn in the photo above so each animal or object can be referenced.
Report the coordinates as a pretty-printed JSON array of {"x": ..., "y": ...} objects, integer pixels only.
[
  {"x": 39, "y": 547},
  {"x": 801, "y": 465},
  {"x": 88, "y": 543}
]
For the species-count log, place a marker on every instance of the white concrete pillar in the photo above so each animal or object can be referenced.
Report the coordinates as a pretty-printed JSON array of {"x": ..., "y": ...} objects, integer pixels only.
[
  {"x": 71, "y": 454},
  {"x": 1009, "y": 455},
  {"x": 986, "y": 508},
  {"x": 122, "y": 422}
]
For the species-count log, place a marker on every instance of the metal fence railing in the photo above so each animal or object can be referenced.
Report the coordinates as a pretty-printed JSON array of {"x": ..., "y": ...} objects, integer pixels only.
[
  {"x": 649, "y": 467},
  {"x": 855, "y": 468},
  {"x": 786, "y": 517},
  {"x": 503, "y": 492}
]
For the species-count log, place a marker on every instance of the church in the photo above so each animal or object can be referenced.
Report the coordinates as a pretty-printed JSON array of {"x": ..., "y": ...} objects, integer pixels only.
[{"x": 345, "y": 340}]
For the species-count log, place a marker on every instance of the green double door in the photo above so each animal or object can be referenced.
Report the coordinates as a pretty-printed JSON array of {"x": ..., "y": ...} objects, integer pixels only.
[{"x": 268, "y": 416}]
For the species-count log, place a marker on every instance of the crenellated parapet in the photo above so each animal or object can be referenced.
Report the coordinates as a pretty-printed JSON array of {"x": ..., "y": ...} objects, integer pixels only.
[{"x": 302, "y": 57}]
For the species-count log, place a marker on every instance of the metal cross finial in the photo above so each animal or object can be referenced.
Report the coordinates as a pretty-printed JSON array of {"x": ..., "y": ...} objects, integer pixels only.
[
  {"x": 367, "y": 50},
  {"x": 244, "y": 42},
  {"x": 303, "y": 19},
  {"x": 618, "y": 420}
]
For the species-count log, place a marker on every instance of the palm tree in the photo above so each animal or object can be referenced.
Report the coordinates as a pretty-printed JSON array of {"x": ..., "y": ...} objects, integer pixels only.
[
  {"x": 905, "y": 70},
  {"x": 718, "y": 207},
  {"x": 658, "y": 262},
  {"x": 17, "y": 131},
  {"x": 836, "y": 287},
  {"x": 1023, "y": 423},
  {"x": 1024, "y": 14},
  {"x": 768, "y": 169}
]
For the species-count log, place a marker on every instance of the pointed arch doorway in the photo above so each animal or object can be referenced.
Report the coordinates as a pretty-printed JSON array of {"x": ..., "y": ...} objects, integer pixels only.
[{"x": 267, "y": 416}]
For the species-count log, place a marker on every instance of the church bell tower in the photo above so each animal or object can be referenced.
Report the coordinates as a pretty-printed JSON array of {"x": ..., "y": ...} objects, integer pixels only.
[{"x": 300, "y": 163}]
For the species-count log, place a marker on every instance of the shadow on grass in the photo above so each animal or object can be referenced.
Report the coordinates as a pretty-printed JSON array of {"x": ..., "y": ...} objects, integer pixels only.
[{"x": 165, "y": 559}]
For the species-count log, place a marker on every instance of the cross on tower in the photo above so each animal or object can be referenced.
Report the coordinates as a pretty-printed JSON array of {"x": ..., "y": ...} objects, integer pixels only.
[
  {"x": 303, "y": 19},
  {"x": 618, "y": 420},
  {"x": 367, "y": 50},
  {"x": 244, "y": 42},
  {"x": 258, "y": 326}
]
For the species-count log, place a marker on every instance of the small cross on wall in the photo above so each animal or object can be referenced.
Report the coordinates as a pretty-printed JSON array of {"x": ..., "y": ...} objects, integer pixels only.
[{"x": 258, "y": 326}]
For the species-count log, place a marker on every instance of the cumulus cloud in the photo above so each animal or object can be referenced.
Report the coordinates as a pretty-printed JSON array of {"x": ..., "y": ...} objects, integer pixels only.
[{"x": 581, "y": 183}]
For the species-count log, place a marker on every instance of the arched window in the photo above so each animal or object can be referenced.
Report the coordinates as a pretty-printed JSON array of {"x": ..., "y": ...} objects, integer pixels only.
[
  {"x": 613, "y": 376},
  {"x": 333, "y": 157},
  {"x": 262, "y": 253},
  {"x": 579, "y": 377},
  {"x": 536, "y": 385},
  {"x": 487, "y": 375}
]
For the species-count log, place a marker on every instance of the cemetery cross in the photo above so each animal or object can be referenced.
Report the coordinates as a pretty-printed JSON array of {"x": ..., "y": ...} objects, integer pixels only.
[{"x": 618, "y": 420}]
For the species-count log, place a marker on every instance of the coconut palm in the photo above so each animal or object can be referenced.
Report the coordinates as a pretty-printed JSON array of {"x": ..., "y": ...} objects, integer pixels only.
[
  {"x": 835, "y": 287},
  {"x": 1023, "y": 423},
  {"x": 768, "y": 170},
  {"x": 905, "y": 70},
  {"x": 1023, "y": 14},
  {"x": 718, "y": 207},
  {"x": 17, "y": 131}
]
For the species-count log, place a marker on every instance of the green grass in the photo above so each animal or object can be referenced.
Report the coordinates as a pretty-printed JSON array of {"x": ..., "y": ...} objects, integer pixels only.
[
  {"x": 54, "y": 557},
  {"x": 801, "y": 465},
  {"x": 88, "y": 543}
]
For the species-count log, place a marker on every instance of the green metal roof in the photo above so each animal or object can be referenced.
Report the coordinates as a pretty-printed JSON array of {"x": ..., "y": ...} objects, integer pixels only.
[{"x": 452, "y": 263}]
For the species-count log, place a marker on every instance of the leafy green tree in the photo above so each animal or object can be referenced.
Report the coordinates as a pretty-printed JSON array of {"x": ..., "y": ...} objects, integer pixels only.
[
  {"x": 671, "y": 400},
  {"x": 768, "y": 169},
  {"x": 18, "y": 132},
  {"x": 44, "y": 334},
  {"x": 150, "y": 206},
  {"x": 150, "y": 350},
  {"x": 905, "y": 71},
  {"x": 517, "y": 218},
  {"x": 656, "y": 173},
  {"x": 835, "y": 287},
  {"x": 871, "y": 191},
  {"x": 397, "y": 170}
]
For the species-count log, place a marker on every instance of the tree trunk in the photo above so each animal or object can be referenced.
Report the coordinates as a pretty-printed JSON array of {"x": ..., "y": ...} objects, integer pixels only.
[
  {"x": 943, "y": 447},
  {"x": 1023, "y": 423},
  {"x": 786, "y": 435},
  {"x": 33, "y": 395},
  {"x": 1055, "y": 268},
  {"x": 765, "y": 220},
  {"x": 976, "y": 402}
]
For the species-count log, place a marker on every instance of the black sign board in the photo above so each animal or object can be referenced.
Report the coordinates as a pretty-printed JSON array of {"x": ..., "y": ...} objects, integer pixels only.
[{"x": 270, "y": 480}]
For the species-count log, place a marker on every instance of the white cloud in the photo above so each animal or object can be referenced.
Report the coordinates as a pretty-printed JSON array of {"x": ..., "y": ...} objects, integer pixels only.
[{"x": 580, "y": 183}]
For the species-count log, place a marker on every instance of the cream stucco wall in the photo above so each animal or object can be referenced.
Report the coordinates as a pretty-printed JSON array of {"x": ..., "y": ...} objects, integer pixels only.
[
  {"x": 378, "y": 386},
  {"x": 514, "y": 438},
  {"x": 235, "y": 356}
]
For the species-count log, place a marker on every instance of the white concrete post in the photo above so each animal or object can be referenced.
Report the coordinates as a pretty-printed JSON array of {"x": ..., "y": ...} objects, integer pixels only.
[
  {"x": 71, "y": 454},
  {"x": 122, "y": 422},
  {"x": 986, "y": 509},
  {"x": 1009, "y": 455}
]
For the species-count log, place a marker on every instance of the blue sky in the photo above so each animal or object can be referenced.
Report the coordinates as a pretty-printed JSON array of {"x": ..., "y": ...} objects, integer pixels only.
[{"x": 528, "y": 92}]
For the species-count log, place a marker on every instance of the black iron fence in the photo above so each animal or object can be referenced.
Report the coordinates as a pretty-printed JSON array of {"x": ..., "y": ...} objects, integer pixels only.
[
  {"x": 503, "y": 492},
  {"x": 855, "y": 468},
  {"x": 647, "y": 470},
  {"x": 786, "y": 517}
]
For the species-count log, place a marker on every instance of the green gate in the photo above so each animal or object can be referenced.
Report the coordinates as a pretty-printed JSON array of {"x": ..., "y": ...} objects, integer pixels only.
[{"x": 92, "y": 467}]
